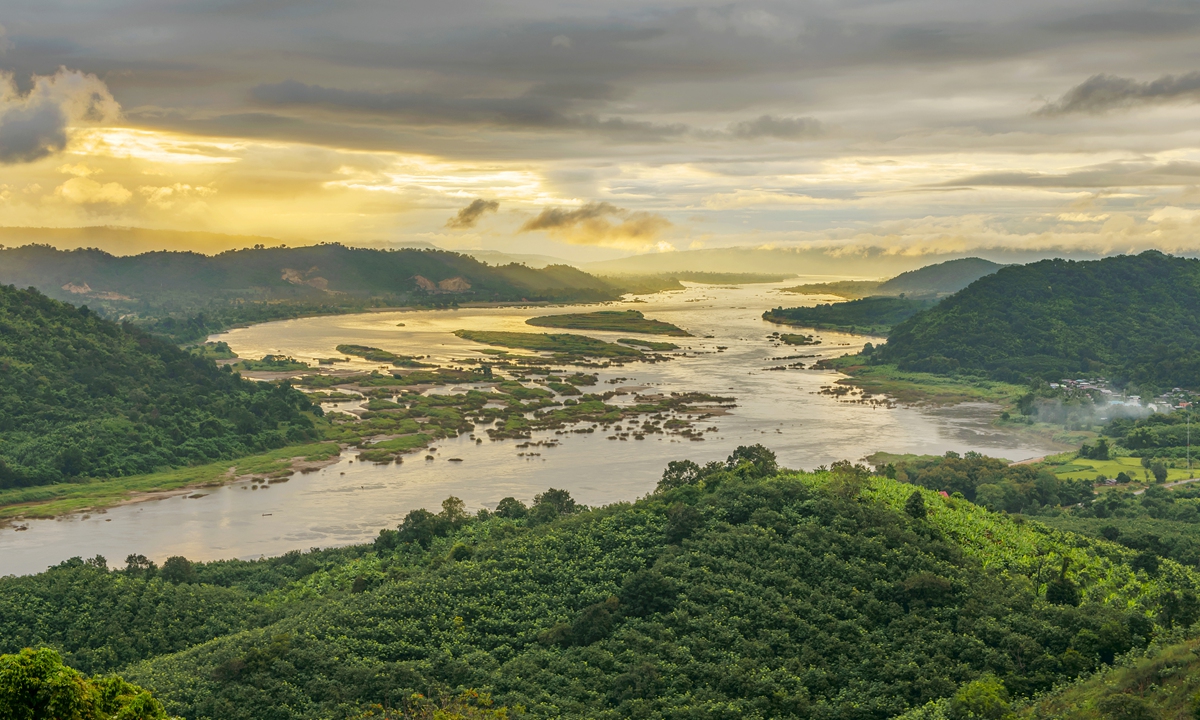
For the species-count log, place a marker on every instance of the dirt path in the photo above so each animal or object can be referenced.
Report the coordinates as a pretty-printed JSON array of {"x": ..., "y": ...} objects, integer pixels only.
[{"x": 1169, "y": 485}]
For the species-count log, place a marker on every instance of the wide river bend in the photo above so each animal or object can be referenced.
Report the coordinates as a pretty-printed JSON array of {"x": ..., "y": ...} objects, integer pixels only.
[{"x": 348, "y": 502}]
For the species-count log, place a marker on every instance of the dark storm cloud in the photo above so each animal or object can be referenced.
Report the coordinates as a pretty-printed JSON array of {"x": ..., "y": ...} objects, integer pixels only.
[
  {"x": 32, "y": 131},
  {"x": 468, "y": 216},
  {"x": 34, "y": 123},
  {"x": 784, "y": 128},
  {"x": 561, "y": 218},
  {"x": 1135, "y": 21},
  {"x": 598, "y": 223},
  {"x": 1100, "y": 93}
]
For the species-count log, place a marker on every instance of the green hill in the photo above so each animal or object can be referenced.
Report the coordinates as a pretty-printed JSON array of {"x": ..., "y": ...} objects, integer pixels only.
[
  {"x": 736, "y": 590},
  {"x": 81, "y": 396},
  {"x": 266, "y": 283},
  {"x": 941, "y": 279},
  {"x": 1132, "y": 318}
]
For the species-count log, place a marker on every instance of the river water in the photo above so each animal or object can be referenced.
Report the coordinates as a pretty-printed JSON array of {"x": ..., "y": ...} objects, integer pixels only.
[{"x": 349, "y": 502}]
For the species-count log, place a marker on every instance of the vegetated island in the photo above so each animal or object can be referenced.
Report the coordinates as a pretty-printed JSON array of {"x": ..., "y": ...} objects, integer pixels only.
[
  {"x": 623, "y": 610},
  {"x": 564, "y": 344},
  {"x": 867, "y": 316},
  {"x": 383, "y": 356},
  {"x": 649, "y": 344},
  {"x": 796, "y": 339},
  {"x": 613, "y": 320}
]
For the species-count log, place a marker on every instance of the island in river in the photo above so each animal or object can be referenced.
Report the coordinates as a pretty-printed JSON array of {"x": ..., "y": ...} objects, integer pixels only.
[{"x": 630, "y": 321}]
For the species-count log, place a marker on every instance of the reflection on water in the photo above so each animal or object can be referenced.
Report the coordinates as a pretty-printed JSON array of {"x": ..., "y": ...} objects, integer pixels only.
[{"x": 350, "y": 501}]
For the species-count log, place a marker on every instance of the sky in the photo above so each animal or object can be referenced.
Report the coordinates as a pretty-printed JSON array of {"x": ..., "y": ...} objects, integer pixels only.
[{"x": 596, "y": 130}]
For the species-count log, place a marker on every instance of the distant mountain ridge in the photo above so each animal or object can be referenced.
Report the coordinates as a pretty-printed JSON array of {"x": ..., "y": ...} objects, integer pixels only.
[
  {"x": 935, "y": 280},
  {"x": 1133, "y": 318},
  {"x": 179, "y": 281}
]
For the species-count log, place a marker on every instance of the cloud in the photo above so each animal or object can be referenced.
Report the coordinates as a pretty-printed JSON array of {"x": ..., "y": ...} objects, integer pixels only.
[
  {"x": 166, "y": 196},
  {"x": 747, "y": 23},
  {"x": 1083, "y": 217},
  {"x": 1103, "y": 175},
  {"x": 34, "y": 125},
  {"x": 784, "y": 128},
  {"x": 1101, "y": 93},
  {"x": 541, "y": 108},
  {"x": 755, "y": 198},
  {"x": 601, "y": 223},
  {"x": 468, "y": 216},
  {"x": 86, "y": 191}
]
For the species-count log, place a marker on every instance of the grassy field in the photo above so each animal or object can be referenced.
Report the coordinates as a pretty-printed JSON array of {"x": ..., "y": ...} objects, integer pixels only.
[
  {"x": 556, "y": 343},
  {"x": 1162, "y": 685},
  {"x": 924, "y": 388},
  {"x": 53, "y": 500},
  {"x": 614, "y": 320},
  {"x": 1080, "y": 469}
]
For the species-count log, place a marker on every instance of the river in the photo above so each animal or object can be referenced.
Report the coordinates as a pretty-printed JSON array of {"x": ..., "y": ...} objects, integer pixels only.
[{"x": 349, "y": 502}]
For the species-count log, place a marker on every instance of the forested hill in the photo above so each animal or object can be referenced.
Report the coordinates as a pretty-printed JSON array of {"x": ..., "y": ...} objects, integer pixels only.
[
  {"x": 1132, "y": 318},
  {"x": 940, "y": 279},
  {"x": 736, "y": 590},
  {"x": 83, "y": 396},
  {"x": 158, "y": 282}
]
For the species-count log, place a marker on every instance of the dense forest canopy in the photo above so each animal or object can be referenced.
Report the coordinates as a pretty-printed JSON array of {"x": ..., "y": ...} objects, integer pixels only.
[
  {"x": 1133, "y": 318},
  {"x": 81, "y": 396},
  {"x": 735, "y": 590}
]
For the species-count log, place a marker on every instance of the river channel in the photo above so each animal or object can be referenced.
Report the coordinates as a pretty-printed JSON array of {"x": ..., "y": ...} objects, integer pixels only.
[{"x": 349, "y": 502}]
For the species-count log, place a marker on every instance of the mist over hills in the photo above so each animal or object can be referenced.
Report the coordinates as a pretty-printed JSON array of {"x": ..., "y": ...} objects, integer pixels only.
[{"x": 872, "y": 262}]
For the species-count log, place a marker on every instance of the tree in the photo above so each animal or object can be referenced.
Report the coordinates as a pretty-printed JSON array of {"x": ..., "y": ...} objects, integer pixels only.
[
  {"x": 1159, "y": 470},
  {"x": 36, "y": 685},
  {"x": 560, "y": 500},
  {"x": 511, "y": 508},
  {"x": 178, "y": 570},
  {"x": 682, "y": 521},
  {"x": 421, "y": 526},
  {"x": 454, "y": 511},
  {"x": 646, "y": 592},
  {"x": 982, "y": 699},
  {"x": 755, "y": 460},
  {"x": 915, "y": 505},
  {"x": 678, "y": 474}
]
